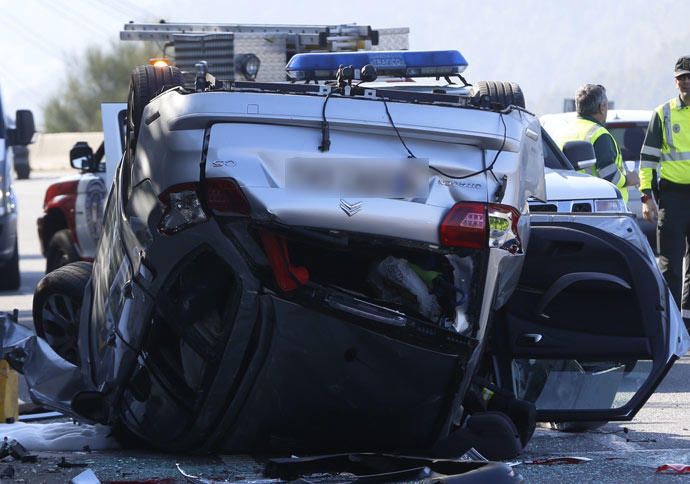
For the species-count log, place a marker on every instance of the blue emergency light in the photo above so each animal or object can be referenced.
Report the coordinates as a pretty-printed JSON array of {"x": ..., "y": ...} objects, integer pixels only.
[{"x": 392, "y": 63}]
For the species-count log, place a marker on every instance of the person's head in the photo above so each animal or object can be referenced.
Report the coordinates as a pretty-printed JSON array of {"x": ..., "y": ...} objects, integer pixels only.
[
  {"x": 682, "y": 75},
  {"x": 591, "y": 101}
]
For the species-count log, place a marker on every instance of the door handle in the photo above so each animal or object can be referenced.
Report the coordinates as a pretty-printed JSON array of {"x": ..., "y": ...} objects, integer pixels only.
[{"x": 529, "y": 339}]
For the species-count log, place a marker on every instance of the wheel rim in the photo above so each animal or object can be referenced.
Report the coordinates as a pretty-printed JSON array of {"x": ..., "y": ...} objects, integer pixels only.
[{"x": 60, "y": 314}]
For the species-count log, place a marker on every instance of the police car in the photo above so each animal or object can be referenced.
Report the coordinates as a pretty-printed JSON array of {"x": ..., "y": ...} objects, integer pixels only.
[
  {"x": 628, "y": 127},
  {"x": 321, "y": 266}
]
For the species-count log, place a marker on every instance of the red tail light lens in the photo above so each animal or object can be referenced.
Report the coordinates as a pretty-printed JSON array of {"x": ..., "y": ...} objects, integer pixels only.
[
  {"x": 475, "y": 225},
  {"x": 225, "y": 197},
  {"x": 465, "y": 226}
]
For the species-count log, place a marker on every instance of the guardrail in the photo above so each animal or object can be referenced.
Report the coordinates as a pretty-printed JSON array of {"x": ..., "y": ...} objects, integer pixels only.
[{"x": 50, "y": 151}]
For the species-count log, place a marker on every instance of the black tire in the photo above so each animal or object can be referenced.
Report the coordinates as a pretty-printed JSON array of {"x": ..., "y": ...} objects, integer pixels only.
[
  {"x": 60, "y": 251},
  {"x": 145, "y": 83},
  {"x": 498, "y": 94},
  {"x": 11, "y": 279},
  {"x": 57, "y": 306}
]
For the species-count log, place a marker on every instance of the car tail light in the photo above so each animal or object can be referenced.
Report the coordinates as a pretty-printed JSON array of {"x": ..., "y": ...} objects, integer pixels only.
[
  {"x": 225, "y": 197},
  {"x": 466, "y": 226},
  {"x": 182, "y": 208}
]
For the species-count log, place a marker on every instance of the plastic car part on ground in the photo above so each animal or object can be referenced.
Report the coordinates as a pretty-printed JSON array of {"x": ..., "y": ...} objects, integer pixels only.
[
  {"x": 387, "y": 467},
  {"x": 49, "y": 377},
  {"x": 558, "y": 460},
  {"x": 59, "y": 436},
  {"x": 673, "y": 469}
]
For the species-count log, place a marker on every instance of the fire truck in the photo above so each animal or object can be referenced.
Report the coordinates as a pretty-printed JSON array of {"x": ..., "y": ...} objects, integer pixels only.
[{"x": 70, "y": 225}]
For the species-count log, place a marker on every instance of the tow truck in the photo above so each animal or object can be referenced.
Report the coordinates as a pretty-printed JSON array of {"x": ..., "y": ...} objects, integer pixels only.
[{"x": 73, "y": 206}]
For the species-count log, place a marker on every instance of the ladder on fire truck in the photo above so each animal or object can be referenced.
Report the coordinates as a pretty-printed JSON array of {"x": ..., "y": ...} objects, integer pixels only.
[{"x": 237, "y": 50}]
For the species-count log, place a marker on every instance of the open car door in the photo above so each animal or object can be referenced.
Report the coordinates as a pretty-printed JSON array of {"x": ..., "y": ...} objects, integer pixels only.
[{"x": 591, "y": 329}]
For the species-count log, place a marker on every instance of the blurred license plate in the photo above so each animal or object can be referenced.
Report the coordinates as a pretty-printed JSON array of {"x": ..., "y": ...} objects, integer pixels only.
[{"x": 363, "y": 177}]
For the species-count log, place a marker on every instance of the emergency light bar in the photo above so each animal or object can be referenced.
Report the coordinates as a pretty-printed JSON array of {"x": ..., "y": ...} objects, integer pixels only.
[{"x": 401, "y": 63}]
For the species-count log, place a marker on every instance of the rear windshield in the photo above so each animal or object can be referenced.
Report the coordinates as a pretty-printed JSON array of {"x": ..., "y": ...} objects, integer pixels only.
[{"x": 629, "y": 137}]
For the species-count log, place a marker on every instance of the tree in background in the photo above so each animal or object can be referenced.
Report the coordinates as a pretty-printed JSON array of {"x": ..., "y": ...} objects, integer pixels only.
[{"x": 100, "y": 75}]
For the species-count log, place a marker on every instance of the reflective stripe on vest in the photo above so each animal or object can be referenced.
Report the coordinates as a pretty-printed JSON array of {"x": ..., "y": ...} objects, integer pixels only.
[
  {"x": 586, "y": 130},
  {"x": 675, "y": 149}
]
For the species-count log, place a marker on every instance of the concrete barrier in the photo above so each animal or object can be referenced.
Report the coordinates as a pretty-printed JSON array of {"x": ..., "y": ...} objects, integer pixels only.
[{"x": 50, "y": 151}]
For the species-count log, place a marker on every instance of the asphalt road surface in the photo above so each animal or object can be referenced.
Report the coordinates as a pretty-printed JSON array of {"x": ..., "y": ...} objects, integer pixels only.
[{"x": 619, "y": 452}]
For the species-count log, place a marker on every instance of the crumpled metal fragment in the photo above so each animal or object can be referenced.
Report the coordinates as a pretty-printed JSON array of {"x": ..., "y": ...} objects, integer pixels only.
[{"x": 52, "y": 381}]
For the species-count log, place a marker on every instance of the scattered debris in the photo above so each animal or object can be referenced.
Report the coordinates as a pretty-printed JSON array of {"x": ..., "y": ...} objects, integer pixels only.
[
  {"x": 59, "y": 436},
  {"x": 65, "y": 464},
  {"x": 673, "y": 469},
  {"x": 7, "y": 472},
  {"x": 86, "y": 477},
  {"x": 33, "y": 417},
  {"x": 384, "y": 468},
  {"x": 155, "y": 480},
  {"x": 558, "y": 460},
  {"x": 473, "y": 455},
  {"x": 16, "y": 450},
  {"x": 626, "y": 431},
  {"x": 201, "y": 480}
]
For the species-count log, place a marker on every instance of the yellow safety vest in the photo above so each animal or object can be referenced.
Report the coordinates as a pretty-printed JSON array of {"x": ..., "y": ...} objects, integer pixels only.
[
  {"x": 675, "y": 148},
  {"x": 586, "y": 130}
]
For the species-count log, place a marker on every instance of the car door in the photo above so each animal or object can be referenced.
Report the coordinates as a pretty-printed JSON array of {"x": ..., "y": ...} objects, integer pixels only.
[{"x": 591, "y": 329}]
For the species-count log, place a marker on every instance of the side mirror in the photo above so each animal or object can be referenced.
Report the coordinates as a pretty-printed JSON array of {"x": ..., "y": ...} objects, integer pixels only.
[
  {"x": 580, "y": 153},
  {"x": 81, "y": 156},
  {"x": 24, "y": 129}
]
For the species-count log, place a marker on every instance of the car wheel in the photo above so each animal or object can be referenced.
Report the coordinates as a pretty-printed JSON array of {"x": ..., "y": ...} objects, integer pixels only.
[
  {"x": 60, "y": 250},
  {"x": 10, "y": 279},
  {"x": 145, "y": 83},
  {"x": 57, "y": 306},
  {"x": 499, "y": 93}
]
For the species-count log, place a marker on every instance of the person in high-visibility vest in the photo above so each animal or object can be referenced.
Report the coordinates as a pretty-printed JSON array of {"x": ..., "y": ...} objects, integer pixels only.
[
  {"x": 666, "y": 151},
  {"x": 592, "y": 106}
]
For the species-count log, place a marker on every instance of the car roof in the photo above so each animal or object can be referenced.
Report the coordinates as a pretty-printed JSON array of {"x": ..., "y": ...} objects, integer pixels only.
[{"x": 629, "y": 115}]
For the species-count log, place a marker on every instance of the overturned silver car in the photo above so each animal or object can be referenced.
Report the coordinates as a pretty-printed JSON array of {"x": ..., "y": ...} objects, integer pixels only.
[{"x": 296, "y": 267}]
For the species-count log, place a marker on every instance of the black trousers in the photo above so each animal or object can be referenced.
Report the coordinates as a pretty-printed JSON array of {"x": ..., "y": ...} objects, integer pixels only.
[{"x": 673, "y": 240}]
